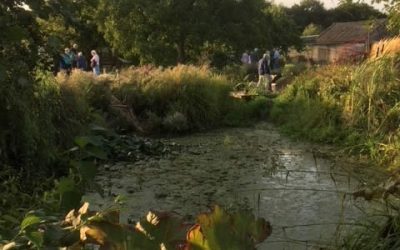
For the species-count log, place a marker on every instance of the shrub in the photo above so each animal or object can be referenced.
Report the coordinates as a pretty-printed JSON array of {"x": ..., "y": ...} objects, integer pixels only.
[
  {"x": 41, "y": 119},
  {"x": 175, "y": 122},
  {"x": 246, "y": 112},
  {"x": 238, "y": 73},
  {"x": 292, "y": 69}
]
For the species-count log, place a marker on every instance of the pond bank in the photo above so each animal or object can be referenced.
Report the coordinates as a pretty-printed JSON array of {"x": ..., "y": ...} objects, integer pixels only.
[{"x": 303, "y": 193}]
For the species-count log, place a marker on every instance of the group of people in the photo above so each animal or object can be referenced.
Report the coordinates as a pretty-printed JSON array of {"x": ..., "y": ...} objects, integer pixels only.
[
  {"x": 268, "y": 64},
  {"x": 71, "y": 59}
]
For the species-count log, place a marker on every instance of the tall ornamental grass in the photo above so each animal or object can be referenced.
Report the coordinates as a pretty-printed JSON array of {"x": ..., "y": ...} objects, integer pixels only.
[
  {"x": 385, "y": 47},
  {"x": 357, "y": 106},
  {"x": 39, "y": 119},
  {"x": 182, "y": 98}
]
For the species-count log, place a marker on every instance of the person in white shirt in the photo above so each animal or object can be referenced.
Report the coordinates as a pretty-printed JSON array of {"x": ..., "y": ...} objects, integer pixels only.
[{"x": 95, "y": 63}]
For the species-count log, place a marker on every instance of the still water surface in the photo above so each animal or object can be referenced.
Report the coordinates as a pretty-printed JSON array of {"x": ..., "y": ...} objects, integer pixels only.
[{"x": 294, "y": 185}]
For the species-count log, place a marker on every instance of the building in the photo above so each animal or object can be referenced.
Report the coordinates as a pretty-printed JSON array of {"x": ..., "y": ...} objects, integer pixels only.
[{"x": 344, "y": 41}]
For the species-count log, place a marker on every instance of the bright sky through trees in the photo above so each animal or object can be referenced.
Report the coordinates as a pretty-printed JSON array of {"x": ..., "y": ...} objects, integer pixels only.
[{"x": 327, "y": 3}]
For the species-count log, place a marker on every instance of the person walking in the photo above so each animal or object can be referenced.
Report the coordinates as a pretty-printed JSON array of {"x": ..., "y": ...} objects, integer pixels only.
[
  {"x": 95, "y": 63},
  {"x": 264, "y": 72}
]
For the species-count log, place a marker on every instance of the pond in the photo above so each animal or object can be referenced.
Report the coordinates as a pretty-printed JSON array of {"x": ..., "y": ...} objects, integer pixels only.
[{"x": 303, "y": 192}]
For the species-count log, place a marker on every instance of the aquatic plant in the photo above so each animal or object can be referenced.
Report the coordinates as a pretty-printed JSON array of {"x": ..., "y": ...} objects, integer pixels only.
[{"x": 81, "y": 227}]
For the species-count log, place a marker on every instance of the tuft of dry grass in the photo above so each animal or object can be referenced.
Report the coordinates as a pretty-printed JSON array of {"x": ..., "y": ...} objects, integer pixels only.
[
  {"x": 385, "y": 47},
  {"x": 173, "y": 99}
]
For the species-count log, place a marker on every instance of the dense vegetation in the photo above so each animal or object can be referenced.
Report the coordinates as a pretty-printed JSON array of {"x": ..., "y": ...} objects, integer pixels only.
[
  {"x": 45, "y": 161},
  {"x": 356, "y": 107},
  {"x": 147, "y": 99}
]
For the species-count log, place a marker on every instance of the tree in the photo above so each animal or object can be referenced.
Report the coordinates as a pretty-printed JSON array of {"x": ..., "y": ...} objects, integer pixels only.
[
  {"x": 19, "y": 54},
  {"x": 68, "y": 22},
  {"x": 24, "y": 49},
  {"x": 394, "y": 18},
  {"x": 309, "y": 11},
  {"x": 170, "y": 31},
  {"x": 353, "y": 11},
  {"x": 393, "y": 9},
  {"x": 312, "y": 29},
  {"x": 284, "y": 32}
]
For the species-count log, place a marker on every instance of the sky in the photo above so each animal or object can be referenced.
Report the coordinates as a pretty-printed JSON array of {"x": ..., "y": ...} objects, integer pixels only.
[{"x": 327, "y": 3}]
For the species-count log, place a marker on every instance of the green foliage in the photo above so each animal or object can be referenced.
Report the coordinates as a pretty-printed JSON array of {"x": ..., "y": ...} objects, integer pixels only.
[
  {"x": 376, "y": 234},
  {"x": 246, "y": 112},
  {"x": 38, "y": 127},
  {"x": 293, "y": 69},
  {"x": 182, "y": 98},
  {"x": 37, "y": 122},
  {"x": 240, "y": 73},
  {"x": 170, "y": 32},
  {"x": 56, "y": 34},
  {"x": 217, "y": 230},
  {"x": 381, "y": 229},
  {"x": 174, "y": 100},
  {"x": 354, "y": 105},
  {"x": 309, "y": 12},
  {"x": 348, "y": 11},
  {"x": 284, "y": 32},
  {"x": 220, "y": 230},
  {"x": 394, "y": 18},
  {"x": 312, "y": 29}
]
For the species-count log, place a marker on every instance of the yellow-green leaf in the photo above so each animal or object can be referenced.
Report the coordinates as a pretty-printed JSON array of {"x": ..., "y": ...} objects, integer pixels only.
[{"x": 29, "y": 221}]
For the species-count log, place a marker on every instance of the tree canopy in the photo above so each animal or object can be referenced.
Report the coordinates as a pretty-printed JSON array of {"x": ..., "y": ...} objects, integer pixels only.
[
  {"x": 163, "y": 32},
  {"x": 393, "y": 8},
  {"x": 313, "y": 12},
  {"x": 170, "y": 31},
  {"x": 353, "y": 11}
]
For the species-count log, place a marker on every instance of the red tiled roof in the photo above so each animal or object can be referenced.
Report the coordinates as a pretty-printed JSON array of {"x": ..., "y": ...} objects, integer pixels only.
[{"x": 347, "y": 32}]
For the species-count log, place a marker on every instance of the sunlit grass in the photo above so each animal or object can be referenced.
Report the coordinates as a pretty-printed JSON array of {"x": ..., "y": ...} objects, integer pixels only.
[
  {"x": 355, "y": 105},
  {"x": 176, "y": 99},
  {"x": 385, "y": 47}
]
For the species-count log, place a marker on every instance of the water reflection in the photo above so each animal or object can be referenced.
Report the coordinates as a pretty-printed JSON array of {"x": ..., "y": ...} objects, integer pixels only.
[{"x": 301, "y": 194}]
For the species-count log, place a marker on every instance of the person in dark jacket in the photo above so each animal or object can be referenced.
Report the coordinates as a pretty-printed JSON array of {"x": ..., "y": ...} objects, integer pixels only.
[
  {"x": 81, "y": 62},
  {"x": 74, "y": 54},
  {"x": 67, "y": 59},
  {"x": 264, "y": 72}
]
